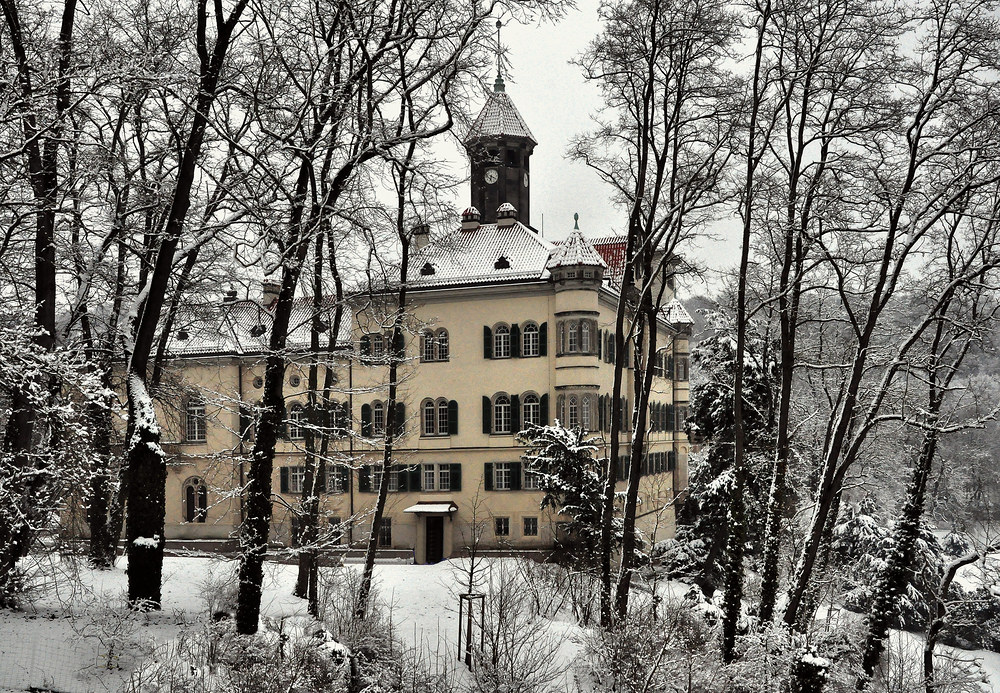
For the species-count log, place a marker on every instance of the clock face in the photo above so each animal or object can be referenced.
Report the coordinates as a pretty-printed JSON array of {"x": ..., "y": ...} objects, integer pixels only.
[
  {"x": 491, "y": 176},
  {"x": 524, "y": 180}
]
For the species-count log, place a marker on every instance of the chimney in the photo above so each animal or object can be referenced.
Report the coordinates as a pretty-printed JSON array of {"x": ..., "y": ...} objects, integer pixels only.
[
  {"x": 506, "y": 214},
  {"x": 230, "y": 296},
  {"x": 271, "y": 289},
  {"x": 421, "y": 236},
  {"x": 470, "y": 219}
]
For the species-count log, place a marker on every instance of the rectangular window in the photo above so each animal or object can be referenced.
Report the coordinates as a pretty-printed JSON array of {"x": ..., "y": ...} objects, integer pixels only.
[
  {"x": 377, "y": 479},
  {"x": 394, "y": 480},
  {"x": 681, "y": 362},
  {"x": 385, "y": 532},
  {"x": 296, "y": 479},
  {"x": 196, "y": 431},
  {"x": 531, "y": 526},
  {"x": 337, "y": 532},
  {"x": 501, "y": 476},
  {"x": 501, "y": 526},
  {"x": 377, "y": 345},
  {"x": 531, "y": 481},
  {"x": 681, "y": 412},
  {"x": 378, "y": 418},
  {"x": 437, "y": 477},
  {"x": 334, "y": 480}
]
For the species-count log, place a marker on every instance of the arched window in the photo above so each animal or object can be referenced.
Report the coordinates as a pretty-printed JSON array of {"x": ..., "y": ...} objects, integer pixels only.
[
  {"x": 501, "y": 414},
  {"x": 378, "y": 418},
  {"x": 427, "y": 345},
  {"x": 442, "y": 345},
  {"x": 573, "y": 415},
  {"x": 429, "y": 410},
  {"x": 195, "y": 423},
  {"x": 531, "y": 410},
  {"x": 195, "y": 500},
  {"x": 585, "y": 336},
  {"x": 442, "y": 417},
  {"x": 501, "y": 342},
  {"x": 585, "y": 415},
  {"x": 295, "y": 422},
  {"x": 561, "y": 409},
  {"x": 574, "y": 338},
  {"x": 529, "y": 339},
  {"x": 377, "y": 345},
  {"x": 339, "y": 418}
]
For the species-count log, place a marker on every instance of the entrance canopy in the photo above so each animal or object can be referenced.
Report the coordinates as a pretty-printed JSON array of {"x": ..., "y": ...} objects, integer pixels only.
[{"x": 432, "y": 508}]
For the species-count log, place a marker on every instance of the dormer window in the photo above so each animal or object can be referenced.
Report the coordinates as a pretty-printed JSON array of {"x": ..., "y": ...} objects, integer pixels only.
[
  {"x": 588, "y": 274},
  {"x": 427, "y": 269},
  {"x": 571, "y": 274},
  {"x": 501, "y": 263},
  {"x": 257, "y": 330}
]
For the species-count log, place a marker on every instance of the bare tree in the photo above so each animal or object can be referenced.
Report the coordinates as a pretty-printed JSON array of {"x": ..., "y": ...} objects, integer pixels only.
[{"x": 663, "y": 150}]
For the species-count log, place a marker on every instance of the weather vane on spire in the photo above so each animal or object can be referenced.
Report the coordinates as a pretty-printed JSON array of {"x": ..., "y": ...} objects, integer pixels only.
[{"x": 498, "y": 86}]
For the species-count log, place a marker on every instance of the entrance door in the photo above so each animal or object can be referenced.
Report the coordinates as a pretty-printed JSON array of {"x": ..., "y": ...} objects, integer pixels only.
[{"x": 435, "y": 539}]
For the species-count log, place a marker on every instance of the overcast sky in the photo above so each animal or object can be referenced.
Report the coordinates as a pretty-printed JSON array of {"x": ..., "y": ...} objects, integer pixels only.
[{"x": 557, "y": 104}]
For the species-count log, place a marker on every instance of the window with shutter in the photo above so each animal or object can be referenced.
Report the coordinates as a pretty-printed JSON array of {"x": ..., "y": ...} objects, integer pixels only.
[
  {"x": 455, "y": 477},
  {"x": 487, "y": 342},
  {"x": 543, "y": 339},
  {"x": 488, "y": 476},
  {"x": 487, "y": 415},
  {"x": 515, "y": 340},
  {"x": 452, "y": 417}
]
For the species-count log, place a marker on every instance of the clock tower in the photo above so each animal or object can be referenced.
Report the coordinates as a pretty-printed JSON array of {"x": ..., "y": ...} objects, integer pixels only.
[{"x": 499, "y": 145}]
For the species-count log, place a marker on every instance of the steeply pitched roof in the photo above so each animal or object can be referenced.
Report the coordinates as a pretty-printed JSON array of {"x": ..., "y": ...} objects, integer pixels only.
[
  {"x": 676, "y": 314},
  {"x": 499, "y": 118},
  {"x": 612, "y": 250},
  {"x": 575, "y": 250},
  {"x": 489, "y": 254}
]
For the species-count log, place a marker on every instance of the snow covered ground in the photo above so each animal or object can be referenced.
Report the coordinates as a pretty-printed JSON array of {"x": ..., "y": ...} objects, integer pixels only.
[
  {"x": 56, "y": 645},
  {"x": 61, "y": 643}
]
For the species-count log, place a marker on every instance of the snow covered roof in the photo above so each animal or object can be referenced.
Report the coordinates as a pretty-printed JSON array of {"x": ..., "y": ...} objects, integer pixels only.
[
  {"x": 575, "y": 250},
  {"x": 489, "y": 254},
  {"x": 499, "y": 118},
  {"x": 676, "y": 314},
  {"x": 244, "y": 327},
  {"x": 431, "y": 507}
]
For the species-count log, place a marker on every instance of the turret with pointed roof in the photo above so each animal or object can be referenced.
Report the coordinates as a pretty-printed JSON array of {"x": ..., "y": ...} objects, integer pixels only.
[{"x": 500, "y": 145}]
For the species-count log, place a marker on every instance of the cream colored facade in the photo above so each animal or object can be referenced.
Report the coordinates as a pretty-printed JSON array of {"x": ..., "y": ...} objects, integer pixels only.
[
  {"x": 475, "y": 284},
  {"x": 225, "y": 382}
]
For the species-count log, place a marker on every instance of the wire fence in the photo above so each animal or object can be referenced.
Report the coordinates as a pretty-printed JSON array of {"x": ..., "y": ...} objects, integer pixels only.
[{"x": 57, "y": 665}]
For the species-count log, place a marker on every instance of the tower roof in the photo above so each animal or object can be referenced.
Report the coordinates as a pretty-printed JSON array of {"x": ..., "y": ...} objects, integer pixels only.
[
  {"x": 499, "y": 118},
  {"x": 575, "y": 250}
]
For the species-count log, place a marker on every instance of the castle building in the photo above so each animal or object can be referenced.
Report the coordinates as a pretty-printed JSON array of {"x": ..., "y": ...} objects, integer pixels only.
[{"x": 508, "y": 329}]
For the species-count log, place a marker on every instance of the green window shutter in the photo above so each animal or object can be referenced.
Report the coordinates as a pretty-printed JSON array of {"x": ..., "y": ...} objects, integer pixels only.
[
  {"x": 366, "y": 345},
  {"x": 345, "y": 478},
  {"x": 670, "y": 416},
  {"x": 365, "y": 479},
  {"x": 600, "y": 343},
  {"x": 543, "y": 339},
  {"x": 400, "y": 422},
  {"x": 670, "y": 367},
  {"x": 515, "y": 413},
  {"x": 399, "y": 343},
  {"x": 456, "y": 477},
  {"x": 487, "y": 342},
  {"x": 401, "y": 477},
  {"x": 515, "y": 340},
  {"x": 452, "y": 417},
  {"x": 544, "y": 407},
  {"x": 671, "y": 461},
  {"x": 366, "y": 419},
  {"x": 413, "y": 483},
  {"x": 284, "y": 479},
  {"x": 488, "y": 476},
  {"x": 515, "y": 476},
  {"x": 487, "y": 415}
]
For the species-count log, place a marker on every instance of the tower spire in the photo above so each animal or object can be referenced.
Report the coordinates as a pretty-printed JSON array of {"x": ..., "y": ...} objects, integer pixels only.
[{"x": 498, "y": 86}]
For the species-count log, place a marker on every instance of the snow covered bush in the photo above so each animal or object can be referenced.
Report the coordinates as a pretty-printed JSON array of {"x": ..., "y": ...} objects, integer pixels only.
[
  {"x": 702, "y": 532},
  {"x": 37, "y": 476},
  {"x": 519, "y": 651},
  {"x": 570, "y": 479},
  {"x": 861, "y": 541}
]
